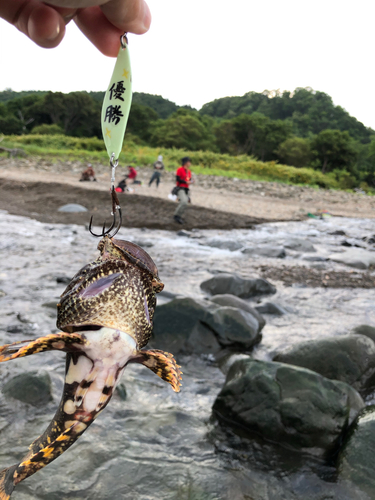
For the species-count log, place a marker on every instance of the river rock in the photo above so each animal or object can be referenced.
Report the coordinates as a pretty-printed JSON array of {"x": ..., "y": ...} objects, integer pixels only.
[
  {"x": 72, "y": 208},
  {"x": 289, "y": 405},
  {"x": 266, "y": 251},
  {"x": 233, "y": 284},
  {"x": 234, "y": 328},
  {"x": 299, "y": 245},
  {"x": 271, "y": 308},
  {"x": 356, "y": 459},
  {"x": 366, "y": 330},
  {"x": 185, "y": 325},
  {"x": 233, "y": 301},
  {"x": 355, "y": 257},
  {"x": 231, "y": 245},
  {"x": 29, "y": 387},
  {"x": 178, "y": 327},
  {"x": 350, "y": 358}
]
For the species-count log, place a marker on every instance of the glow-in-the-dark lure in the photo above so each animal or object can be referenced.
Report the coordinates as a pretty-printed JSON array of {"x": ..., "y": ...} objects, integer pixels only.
[{"x": 117, "y": 102}]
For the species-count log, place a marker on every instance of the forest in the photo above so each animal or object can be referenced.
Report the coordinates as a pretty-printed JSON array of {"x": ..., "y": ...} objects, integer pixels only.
[{"x": 302, "y": 128}]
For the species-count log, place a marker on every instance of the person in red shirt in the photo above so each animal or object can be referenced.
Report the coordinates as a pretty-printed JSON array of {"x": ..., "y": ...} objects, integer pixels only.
[
  {"x": 132, "y": 173},
  {"x": 183, "y": 180}
]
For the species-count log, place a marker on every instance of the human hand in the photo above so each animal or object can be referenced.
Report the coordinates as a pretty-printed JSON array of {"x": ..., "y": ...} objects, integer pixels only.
[{"x": 101, "y": 21}]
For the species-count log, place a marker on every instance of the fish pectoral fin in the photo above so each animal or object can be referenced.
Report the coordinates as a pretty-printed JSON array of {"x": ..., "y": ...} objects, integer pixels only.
[
  {"x": 163, "y": 364},
  {"x": 53, "y": 341}
]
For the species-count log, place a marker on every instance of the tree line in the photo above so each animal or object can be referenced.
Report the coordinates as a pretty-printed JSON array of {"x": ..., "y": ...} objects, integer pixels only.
[{"x": 301, "y": 128}]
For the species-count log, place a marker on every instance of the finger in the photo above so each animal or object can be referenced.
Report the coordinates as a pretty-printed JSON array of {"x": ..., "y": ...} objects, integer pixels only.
[
  {"x": 128, "y": 15},
  {"x": 38, "y": 21},
  {"x": 96, "y": 27}
]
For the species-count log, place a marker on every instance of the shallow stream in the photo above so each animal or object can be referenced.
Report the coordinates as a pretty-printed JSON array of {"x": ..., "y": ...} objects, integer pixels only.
[{"x": 153, "y": 443}]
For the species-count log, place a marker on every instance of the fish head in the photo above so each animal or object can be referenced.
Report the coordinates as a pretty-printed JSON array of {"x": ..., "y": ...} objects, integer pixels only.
[
  {"x": 115, "y": 249},
  {"x": 116, "y": 291}
]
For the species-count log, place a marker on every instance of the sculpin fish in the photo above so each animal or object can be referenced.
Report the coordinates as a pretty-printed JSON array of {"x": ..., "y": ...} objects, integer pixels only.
[{"x": 105, "y": 315}]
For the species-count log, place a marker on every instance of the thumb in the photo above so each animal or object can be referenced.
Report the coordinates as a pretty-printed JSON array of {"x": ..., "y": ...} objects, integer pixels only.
[{"x": 40, "y": 22}]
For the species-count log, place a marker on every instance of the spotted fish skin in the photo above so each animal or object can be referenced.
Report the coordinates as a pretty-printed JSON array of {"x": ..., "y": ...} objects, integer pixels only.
[{"x": 106, "y": 313}]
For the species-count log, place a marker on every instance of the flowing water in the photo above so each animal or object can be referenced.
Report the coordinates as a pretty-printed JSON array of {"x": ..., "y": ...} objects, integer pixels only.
[{"x": 153, "y": 443}]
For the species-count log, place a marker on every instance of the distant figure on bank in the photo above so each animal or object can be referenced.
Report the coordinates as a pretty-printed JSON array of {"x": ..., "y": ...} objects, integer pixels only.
[
  {"x": 132, "y": 175},
  {"x": 183, "y": 180},
  {"x": 158, "y": 167},
  {"x": 88, "y": 174},
  {"x": 121, "y": 186}
]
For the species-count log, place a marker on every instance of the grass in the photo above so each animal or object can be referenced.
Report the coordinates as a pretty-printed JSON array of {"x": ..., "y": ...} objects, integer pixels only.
[{"x": 61, "y": 147}]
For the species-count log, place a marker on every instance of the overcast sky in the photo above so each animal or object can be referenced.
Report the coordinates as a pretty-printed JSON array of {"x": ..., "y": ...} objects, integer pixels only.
[{"x": 200, "y": 50}]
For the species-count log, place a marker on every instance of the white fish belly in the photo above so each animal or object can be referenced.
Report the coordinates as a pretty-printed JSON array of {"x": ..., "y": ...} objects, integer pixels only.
[{"x": 99, "y": 368}]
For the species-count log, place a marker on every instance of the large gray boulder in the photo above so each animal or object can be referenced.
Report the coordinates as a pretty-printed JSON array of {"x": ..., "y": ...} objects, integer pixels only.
[
  {"x": 234, "y": 328},
  {"x": 29, "y": 387},
  {"x": 235, "y": 285},
  {"x": 289, "y": 405},
  {"x": 178, "y": 327},
  {"x": 233, "y": 301},
  {"x": 185, "y": 325},
  {"x": 350, "y": 358},
  {"x": 356, "y": 462}
]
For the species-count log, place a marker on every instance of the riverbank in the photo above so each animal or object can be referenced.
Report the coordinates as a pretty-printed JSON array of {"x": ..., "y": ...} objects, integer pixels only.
[{"x": 250, "y": 201}]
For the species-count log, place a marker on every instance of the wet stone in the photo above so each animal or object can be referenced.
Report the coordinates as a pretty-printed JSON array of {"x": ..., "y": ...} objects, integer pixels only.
[
  {"x": 121, "y": 391},
  {"x": 356, "y": 459},
  {"x": 234, "y": 328},
  {"x": 366, "y": 330},
  {"x": 299, "y": 245},
  {"x": 266, "y": 251},
  {"x": 235, "y": 285},
  {"x": 72, "y": 208},
  {"x": 29, "y": 387},
  {"x": 225, "y": 244},
  {"x": 271, "y": 308},
  {"x": 233, "y": 301},
  {"x": 355, "y": 257},
  {"x": 292, "y": 406},
  {"x": 350, "y": 358},
  {"x": 63, "y": 279}
]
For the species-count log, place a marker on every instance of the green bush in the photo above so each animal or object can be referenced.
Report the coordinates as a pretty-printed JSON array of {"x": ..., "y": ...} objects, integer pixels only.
[{"x": 46, "y": 129}]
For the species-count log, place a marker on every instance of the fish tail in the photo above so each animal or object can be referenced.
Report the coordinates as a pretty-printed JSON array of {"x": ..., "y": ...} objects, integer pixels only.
[
  {"x": 86, "y": 392},
  {"x": 6, "y": 482}
]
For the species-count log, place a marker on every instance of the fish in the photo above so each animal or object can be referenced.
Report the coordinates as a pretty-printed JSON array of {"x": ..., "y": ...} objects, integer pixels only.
[{"x": 106, "y": 318}]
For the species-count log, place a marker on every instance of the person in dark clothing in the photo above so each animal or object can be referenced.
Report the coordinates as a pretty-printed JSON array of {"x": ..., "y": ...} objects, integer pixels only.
[
  {"x": 121, "y": 186},
  {"x": 158, "y": 167},
  {"x": 183, "y": 180}
]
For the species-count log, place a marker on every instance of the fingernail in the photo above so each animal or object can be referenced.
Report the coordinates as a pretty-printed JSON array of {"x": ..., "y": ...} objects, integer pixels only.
[
  {"x": 146, "y": 16},
  {"x": 54, "y": 34}
]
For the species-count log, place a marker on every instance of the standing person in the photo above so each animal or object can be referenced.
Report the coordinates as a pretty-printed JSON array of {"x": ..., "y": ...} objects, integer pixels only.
[
  {"x": 158, "y": 167},
  {"x": 183, "y": 180}
]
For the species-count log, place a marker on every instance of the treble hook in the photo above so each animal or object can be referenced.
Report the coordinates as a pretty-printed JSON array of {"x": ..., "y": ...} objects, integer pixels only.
[{"x": 115, "y": 207}]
